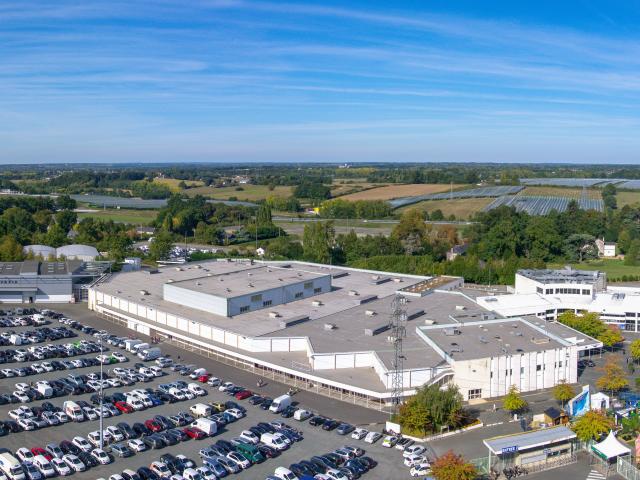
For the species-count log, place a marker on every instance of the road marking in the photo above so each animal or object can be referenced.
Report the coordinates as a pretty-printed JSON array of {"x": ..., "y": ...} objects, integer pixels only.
[{"x": 595, "y": 475}]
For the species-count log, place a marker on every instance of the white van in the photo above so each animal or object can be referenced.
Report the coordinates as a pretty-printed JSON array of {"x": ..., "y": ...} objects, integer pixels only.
[
  {"x": 73, "y": 410},
  {"x": 191, "y": 474},
  {"x": 301, "y": 415},
  {"x": 130, "y": 343},
  {"x": 280, "y": 403},
  {"x": 10, "y": 466},
  {"x": 200, "y": 410},
  {"x": 207, "y": 426},
  {"x": 274, "y": 440}
]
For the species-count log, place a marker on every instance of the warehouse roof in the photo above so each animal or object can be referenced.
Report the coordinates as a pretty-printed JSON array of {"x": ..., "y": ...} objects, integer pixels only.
[
  {"x": 246, "y": 281},
  {"x": 564, "y": 275}
]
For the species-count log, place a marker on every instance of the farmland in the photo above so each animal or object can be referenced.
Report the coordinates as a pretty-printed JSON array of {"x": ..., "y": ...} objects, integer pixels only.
[
  {"x": 549, "y": 191},
  {"x": 398, "y": 191},
  {"x": 173, "y": 183},
  {"x": 135, "y": 217},
  {"x": 343, "y": 187},
  {"x": 251, "y": 193},
  {"x": 462, "y": 208},
  {"x": 627, "y": 198}
]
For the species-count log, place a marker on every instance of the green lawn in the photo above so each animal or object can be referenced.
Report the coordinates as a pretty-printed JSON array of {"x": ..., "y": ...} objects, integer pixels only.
[
  {"x": 135, "y": 217},
  {"x": 613, "y": 268}
]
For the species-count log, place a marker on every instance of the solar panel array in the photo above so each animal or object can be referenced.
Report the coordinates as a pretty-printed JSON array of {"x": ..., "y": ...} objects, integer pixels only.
[
  {"x": 630, "y": 184},
  {"x": 138, "y": 203},
  {"x": 483, "y": 192},
  {"x": 535, "y": 205},
  {"x": 578, "y": 182}
]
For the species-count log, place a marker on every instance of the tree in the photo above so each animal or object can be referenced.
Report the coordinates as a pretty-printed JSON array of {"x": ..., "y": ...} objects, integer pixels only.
[
  {"x": 592, "y": 425},
  {"x": 634, "y": 350},
  {"x": 453, "y": 467},
  {"x": 613, "y": 377},
  {"x": 513, "y": 402},
  {"x": 263, "y": 216},
  {"x": 317, "y": 242},
  {"x": 65, "y": 202},
  {"x": 430, "y": 409},
  {"x": 161, "y": 245},
  {"x": 563, "y": 392},
  {"x": 580, "y": 247},
  {"x": 632, "y": 257},
  {"x": 411, "y": 231},
  {"x": 66, "y": 219},
  {"x": 10, "y": 249},
  {"x": 611, "y": 336}
]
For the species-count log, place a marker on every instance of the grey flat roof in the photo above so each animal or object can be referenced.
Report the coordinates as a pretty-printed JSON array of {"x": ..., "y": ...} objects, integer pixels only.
[
  {"x": 246, "y": 281},
  {"x": 35, "y": 268},
  {"x": 564, "y": 275},
  {"x": 528, "y": 440},
  {"x": 489, "y": 339}
]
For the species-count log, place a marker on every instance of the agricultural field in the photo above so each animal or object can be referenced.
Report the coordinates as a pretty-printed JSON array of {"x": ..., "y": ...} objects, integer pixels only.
[
  {"x": 549, "y": 191},
  {"x": 614, "y": 268},
  {"x": 398, "y": 191},
  {"x": 173, "y": 183},
  {"x": 250, "y": 193},
  {"x": 122, "y": 215},
  {"x": 348, "y": 186},
  {"x": 627, "y": 198},
  {"x": 462, "y": 208}
]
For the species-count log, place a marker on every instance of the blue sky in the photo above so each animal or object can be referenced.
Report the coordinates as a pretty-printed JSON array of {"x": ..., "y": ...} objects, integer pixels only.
[{"x": 237, "y": 81}]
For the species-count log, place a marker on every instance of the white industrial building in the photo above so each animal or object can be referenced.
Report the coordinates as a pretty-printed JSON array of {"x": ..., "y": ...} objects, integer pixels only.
[
  {"x": 547, "y": 293},
  {"x": 326, "y": 328}
]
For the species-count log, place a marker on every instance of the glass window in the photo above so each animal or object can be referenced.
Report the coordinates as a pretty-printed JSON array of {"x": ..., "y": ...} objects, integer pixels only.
[
  {"x": 475, "y": 393},
  {"x": 267, "y": 303},
  {"x": 308, "y": 285},
  {"x": 299, "y": 294},
  {"x": 256, "y": 298},
  {"x": 244, "y": 309}
]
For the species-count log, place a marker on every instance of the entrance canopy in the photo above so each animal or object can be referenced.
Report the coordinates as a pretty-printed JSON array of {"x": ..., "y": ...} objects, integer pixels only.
[
  {"x": 528, "y": 440},
  {"x": 610, "y": 447}
]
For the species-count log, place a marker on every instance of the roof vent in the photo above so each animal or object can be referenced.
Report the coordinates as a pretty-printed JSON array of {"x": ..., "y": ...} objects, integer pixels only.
[
  {"x": 540, "y": 340},
  {"x": 398, "y": 280},
  {"x": 460, "y": 307},
  {"x": 249, "y": 274},
  {"x": 450, "y": 331},
  {"x": 482, "y": 339},
  {"x": 250, "y": 285},
  {"x": 274, "y": 314},
  {"x": 353, "y": 293},
  {"x": 178, "y": 269},
  {"x": 316, "y": 303},
  {"x": 198, "y": 267},
  {"x": 198, "y": 284},
  {"x": 370, "y": 313},
  {"x": 330, "y": 326},
  {"x": 144, "y": 292},
  {"x": 170, "y": 280}
]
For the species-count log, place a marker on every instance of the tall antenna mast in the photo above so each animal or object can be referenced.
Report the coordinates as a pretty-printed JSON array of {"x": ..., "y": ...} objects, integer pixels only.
[{"x": 398, "y": 329}]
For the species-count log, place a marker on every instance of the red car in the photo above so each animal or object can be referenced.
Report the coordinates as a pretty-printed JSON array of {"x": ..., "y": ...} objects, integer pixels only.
[
  {"x": 193, "y": 432},
  {"x": 41, "y": 451},
  {"x": 124, "y": 407},
  {"x": 153, "y": 426},
  {"x": 204, "y": 378},
  {"x": 242, "y": 394}
]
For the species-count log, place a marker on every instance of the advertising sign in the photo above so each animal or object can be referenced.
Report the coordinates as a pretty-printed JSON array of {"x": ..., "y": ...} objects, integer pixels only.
[{"x": 579, "y": 404}]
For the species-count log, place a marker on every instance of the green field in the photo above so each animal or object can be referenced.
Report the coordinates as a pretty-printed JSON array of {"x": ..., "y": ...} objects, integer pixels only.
[
  {"x": 613, "y": 268},
  {"x": 627, "y": 198},
  {"x": 250, "y": 193},
  {"x": 135, "y": 217}
]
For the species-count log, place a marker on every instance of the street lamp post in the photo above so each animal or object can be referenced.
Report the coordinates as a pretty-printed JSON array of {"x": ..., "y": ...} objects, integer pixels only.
[{"x": 101, "y": 394}]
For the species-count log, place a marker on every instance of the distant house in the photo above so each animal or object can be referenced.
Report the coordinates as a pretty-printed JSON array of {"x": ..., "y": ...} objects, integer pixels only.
[
  {"x": 606, "y": 249},
  {"x": 456, "y": 250},
  {"x": 145, "y": 230}
]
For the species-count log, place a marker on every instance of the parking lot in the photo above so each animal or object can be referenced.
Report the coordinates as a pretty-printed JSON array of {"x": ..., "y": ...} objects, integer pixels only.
[{"x": 315, "y": 442}]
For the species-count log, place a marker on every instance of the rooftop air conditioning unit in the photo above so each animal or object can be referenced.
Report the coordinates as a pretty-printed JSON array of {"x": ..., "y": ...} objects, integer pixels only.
[
  {"x": 178, "y": 269},
  {"x": 274, "y": 314},
  {"x": 353, "y": 293},
  {"x": 170, "y": 280},
  {"x": 198, "y": 267},
  {"x": 330, "y": 326},
  {"x": 316, "y": 303},
  {"x": 144, "y": 292},
  {"x": 460, "y": 307},
  {"x": 370, "y": 313}
]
